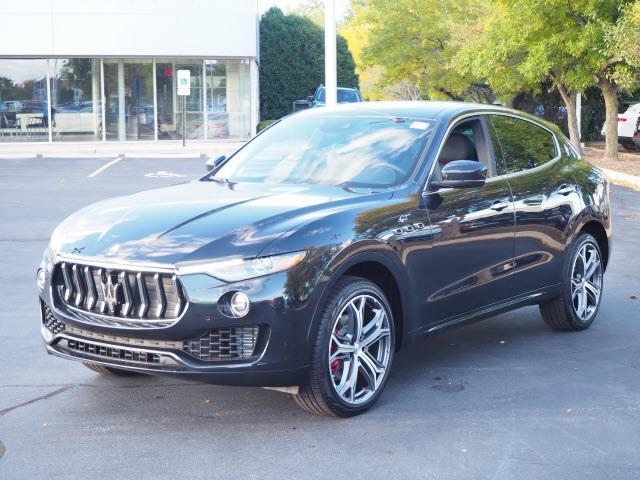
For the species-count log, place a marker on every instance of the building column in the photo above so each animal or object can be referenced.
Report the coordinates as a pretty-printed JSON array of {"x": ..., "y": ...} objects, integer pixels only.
[
  {"x": 122, "y": 127},
  {"x": 255, "y": 96},
  {"x": 95, "y": 97},
  {"x": 234, "y": 107}
]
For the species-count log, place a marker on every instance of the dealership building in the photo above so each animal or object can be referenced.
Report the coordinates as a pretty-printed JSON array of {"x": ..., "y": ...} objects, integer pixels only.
[{"x": 104, "y": 71}]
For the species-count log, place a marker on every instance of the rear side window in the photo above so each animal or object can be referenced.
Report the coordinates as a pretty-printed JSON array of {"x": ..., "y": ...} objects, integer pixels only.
[
  {"x": 570, "y": 151},
  {"x": 524, "y": 145}
]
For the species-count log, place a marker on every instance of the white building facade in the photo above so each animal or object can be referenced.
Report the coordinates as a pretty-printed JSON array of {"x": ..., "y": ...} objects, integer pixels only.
[{"x": 105, "y": 70}]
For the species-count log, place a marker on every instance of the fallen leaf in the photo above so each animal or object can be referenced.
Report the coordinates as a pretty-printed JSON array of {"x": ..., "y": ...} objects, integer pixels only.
[
  {"x": 207, "y": 401},
  {"x": 502, "y": 342},
  {"x": 633, "y": 297},
  {"x": 569, "y": 410}
]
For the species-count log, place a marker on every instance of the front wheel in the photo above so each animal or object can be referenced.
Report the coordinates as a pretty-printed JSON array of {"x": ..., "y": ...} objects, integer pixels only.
[
  {"x": 577, "y": 306},
  {"x": 353, "y": 351}
]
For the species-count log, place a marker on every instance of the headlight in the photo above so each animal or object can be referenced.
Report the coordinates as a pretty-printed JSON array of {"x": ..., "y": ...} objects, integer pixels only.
[
  {"x": 40, "y": 278},
  {"x": 237, "y": 269},
  {"x": 45, "y": 266}
]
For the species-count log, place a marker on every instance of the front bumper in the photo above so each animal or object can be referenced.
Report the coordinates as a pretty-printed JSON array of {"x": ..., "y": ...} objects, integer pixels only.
[{"x": 278, "y": 358}]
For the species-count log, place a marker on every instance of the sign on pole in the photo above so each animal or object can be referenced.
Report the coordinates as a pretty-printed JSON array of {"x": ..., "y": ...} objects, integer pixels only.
[
  {"x": 184, "y": 90},
  {"x": 184, "y": 82}
]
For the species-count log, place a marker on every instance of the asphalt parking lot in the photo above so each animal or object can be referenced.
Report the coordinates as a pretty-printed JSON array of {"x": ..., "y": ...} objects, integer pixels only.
[{"x": 503, "y": 399}]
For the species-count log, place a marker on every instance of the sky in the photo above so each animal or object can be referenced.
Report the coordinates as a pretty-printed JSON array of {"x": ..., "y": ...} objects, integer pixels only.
[{"x": 287, "y": 5}]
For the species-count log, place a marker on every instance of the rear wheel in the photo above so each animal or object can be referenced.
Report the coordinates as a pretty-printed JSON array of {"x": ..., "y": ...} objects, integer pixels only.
[
  {"x": 110, "y": 371},
  {"x": 353, "y": 352},
  {"x": 577, "y": 306}
]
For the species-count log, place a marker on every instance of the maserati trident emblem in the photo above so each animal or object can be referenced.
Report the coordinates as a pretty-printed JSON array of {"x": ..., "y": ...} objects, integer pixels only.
[{"x": 110, "y": 292}]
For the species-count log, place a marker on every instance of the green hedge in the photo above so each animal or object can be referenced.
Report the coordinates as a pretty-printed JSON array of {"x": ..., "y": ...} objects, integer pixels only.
[
  {"x": 264, "y": 124},
  {"x": 292, "y": 61}
]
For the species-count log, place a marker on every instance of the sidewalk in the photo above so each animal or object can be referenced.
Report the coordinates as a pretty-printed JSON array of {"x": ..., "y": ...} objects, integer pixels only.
[
  {"x": 625, "y": 172},
  {"x": 163, "y": 149}
]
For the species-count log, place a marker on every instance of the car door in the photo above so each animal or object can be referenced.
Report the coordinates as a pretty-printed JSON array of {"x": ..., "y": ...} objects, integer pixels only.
[
  {"x": 470, "y": 262},
  {"x": 545, "y": 198}
]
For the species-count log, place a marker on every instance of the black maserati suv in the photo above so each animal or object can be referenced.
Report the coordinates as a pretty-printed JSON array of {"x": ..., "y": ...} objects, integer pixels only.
[{"x": 337, "y": 236}]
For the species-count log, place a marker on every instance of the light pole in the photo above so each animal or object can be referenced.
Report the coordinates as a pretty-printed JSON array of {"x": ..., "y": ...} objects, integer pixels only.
[{"x": 330, "y": 53}]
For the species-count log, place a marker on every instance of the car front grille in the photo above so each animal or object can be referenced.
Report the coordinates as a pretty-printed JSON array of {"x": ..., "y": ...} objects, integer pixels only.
[
  {"x": 226, "y": 344},
  {"x": 50, "y": 322},
  {"x": 220, "y": 344},
  {"x": 113, "y": 353},
  {"x": 124, "y": 296}
]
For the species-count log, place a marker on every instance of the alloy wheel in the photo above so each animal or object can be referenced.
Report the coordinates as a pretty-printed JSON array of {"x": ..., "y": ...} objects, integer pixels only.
[
  {"x": 586, "y": 281},
  {"x": 359, "y": 349}
]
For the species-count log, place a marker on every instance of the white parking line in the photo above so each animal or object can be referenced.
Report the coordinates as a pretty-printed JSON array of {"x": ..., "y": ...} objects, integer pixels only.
[{"x": 105, "y": 166}]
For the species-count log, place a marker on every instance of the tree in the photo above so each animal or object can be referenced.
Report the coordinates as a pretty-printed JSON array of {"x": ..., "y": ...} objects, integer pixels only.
[
  {"x": 314, "y": 11},
  {"x": 625, "y": 36},
  {"x": 519, "y": 45},
  {"x": 292, "y": 62},
  {"x": 522, "y": 43},
  {"x": 414, "y": 41}
]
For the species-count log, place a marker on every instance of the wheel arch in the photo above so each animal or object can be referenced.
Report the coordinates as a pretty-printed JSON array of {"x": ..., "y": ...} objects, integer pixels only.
[
  {"x": 379, "y": 267},
  {"x": 597, "y": 230}
]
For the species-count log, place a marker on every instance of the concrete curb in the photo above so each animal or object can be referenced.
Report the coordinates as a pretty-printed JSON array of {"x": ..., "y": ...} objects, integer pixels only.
[
  {"x": 624, "y": 179},
  {"x": 169, "y": 149},
  {"x": 106, "y": 155}
]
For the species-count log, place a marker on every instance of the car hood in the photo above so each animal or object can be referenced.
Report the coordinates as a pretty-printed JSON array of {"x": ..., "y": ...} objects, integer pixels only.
[{"x": 197, "y": 221}]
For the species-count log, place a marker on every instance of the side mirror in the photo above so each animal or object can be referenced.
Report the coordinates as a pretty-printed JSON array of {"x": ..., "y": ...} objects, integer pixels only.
[
  {"x": 461, "y": 174},
  {"x": 310, "y": 98},
  {"x": 214, "y": 162}
]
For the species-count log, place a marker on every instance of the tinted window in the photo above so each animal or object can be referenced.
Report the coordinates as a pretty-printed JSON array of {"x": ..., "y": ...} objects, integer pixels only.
[
  {"x": 524, "y": 145},
  {"x": 352, "y": 149},
  {"x": 570, "y": 151},
  {"x": 347, "y": 96}
]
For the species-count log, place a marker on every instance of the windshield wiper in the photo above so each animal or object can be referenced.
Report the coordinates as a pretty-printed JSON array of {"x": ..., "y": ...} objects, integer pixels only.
[{"x": 219, "y": 180}]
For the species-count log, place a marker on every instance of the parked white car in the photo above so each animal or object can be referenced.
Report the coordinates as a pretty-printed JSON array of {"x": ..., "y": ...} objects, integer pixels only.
[{"x": 629, "y": 128}]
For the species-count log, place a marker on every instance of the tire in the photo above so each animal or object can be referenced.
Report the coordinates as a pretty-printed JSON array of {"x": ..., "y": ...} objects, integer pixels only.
[
  {"x": 563, "y": 313},
  {"x": 630, "y": 148},
  {"x": 110, "y": 371},
  {"x": 369, "y": 356}
]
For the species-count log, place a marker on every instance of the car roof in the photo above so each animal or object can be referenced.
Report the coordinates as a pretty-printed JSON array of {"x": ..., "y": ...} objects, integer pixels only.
[
  {"x": 322, "y": 87},
  {"x": 421, "y": 109}
]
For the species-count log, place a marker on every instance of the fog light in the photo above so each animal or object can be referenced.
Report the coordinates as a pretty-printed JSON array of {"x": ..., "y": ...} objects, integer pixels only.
[
  {"x": 239, "y": 304},
  {"x": 40, "y": 276}
]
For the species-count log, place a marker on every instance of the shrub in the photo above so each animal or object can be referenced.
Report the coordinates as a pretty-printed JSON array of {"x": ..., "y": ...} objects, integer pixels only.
[{"x": 292, "y": 61}]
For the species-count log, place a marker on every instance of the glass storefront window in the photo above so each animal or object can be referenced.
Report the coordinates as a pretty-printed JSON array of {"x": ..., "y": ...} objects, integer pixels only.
[
  {"x": 170, "y": 104},
  {"x": 119, "y": 102},
  {"x": 24, "y": 111},
  {"x": 228, "y": 99},
  {"x": 75, "y": 99},
  {"x": 128, "y": 91}
]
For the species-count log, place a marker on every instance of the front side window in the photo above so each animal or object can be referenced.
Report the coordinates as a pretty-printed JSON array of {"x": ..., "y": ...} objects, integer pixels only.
[
  {"x": 347, "y": 149},
  {"x": 524, "y": 145}
]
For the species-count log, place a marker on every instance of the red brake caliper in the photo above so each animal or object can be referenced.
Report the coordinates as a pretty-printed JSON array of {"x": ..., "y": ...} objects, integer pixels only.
[{"x": 336, "y": 363}]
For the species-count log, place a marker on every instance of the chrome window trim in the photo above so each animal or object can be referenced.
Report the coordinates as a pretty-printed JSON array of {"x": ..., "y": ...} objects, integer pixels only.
[
  {"x": 573, "y": 149},
  {"x": 486, "y": 113}
]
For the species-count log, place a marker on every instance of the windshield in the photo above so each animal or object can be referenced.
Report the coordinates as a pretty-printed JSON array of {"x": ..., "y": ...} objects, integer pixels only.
[
  {"x": 347, "y": 96},
  {"x": 347, "y": 148},
  {"x": 344, "y": 96}
]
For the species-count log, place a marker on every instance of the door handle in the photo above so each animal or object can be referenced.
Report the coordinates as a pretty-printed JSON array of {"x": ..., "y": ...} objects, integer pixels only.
[
  {"x": 565, "y": 189},
  {"x": 499, "y": 205}
]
